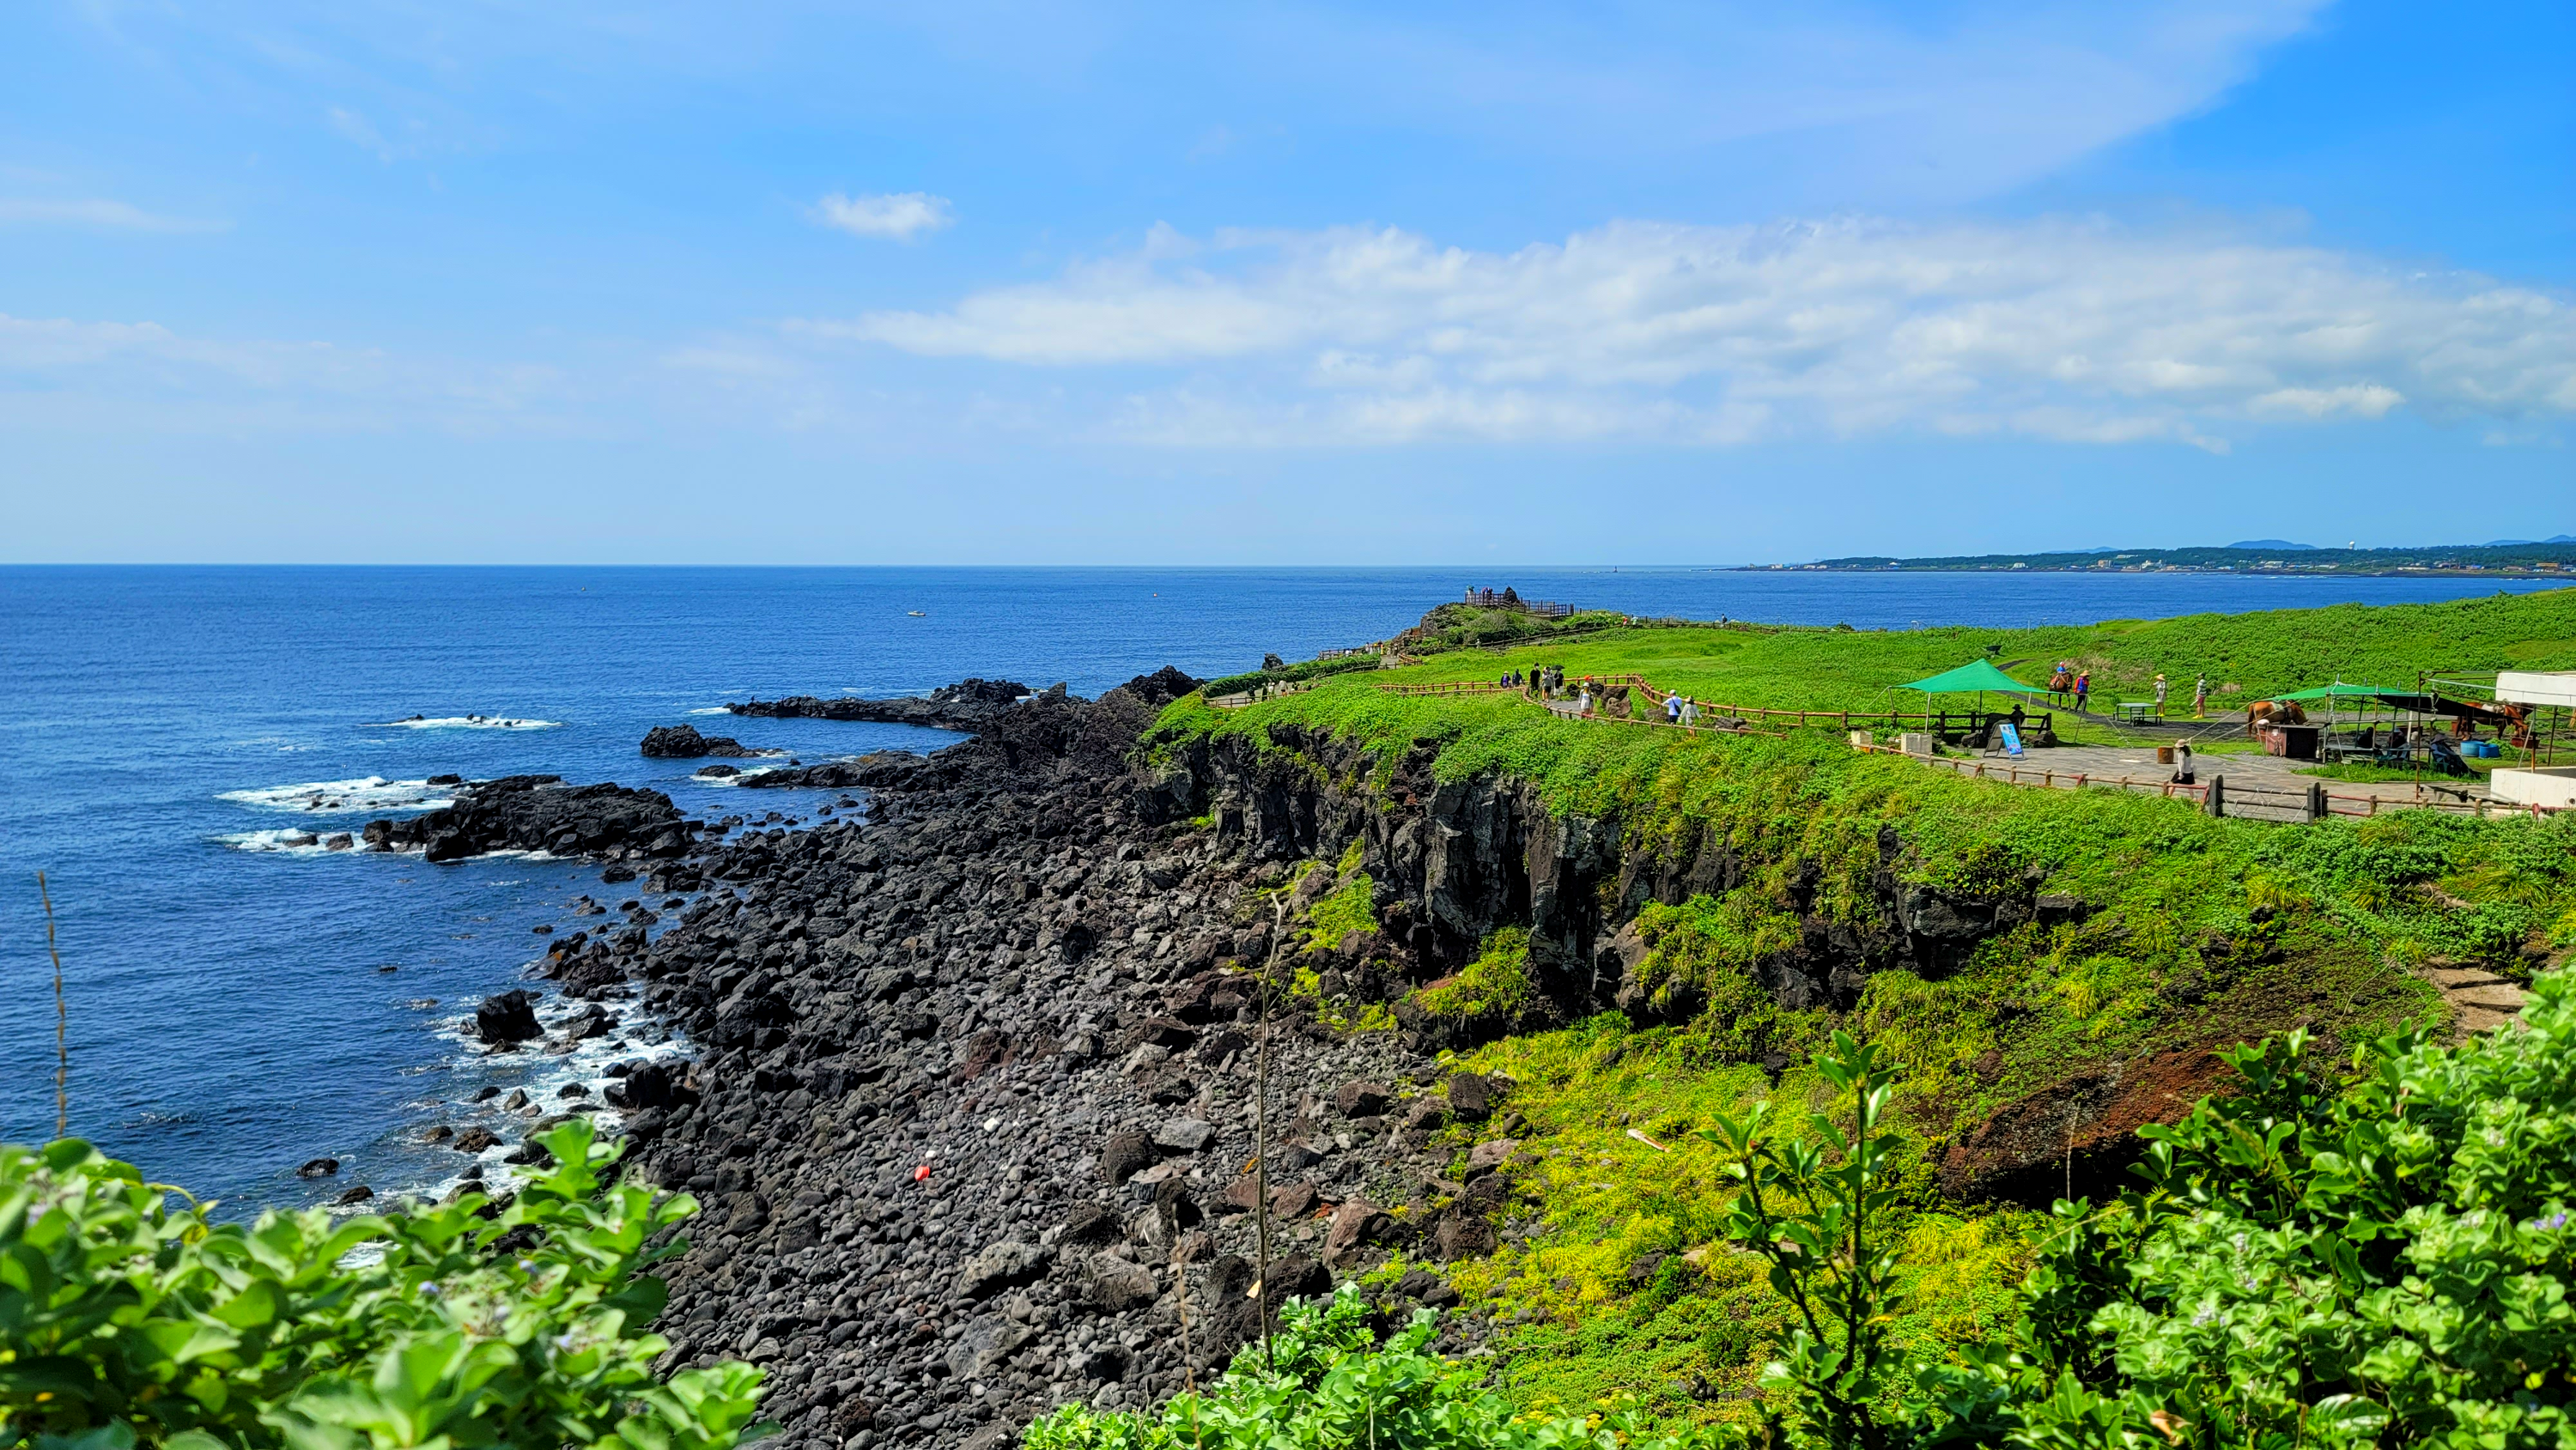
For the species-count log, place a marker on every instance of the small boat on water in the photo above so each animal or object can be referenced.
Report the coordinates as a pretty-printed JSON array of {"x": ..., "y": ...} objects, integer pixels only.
[{"x": 915, "y": 613}]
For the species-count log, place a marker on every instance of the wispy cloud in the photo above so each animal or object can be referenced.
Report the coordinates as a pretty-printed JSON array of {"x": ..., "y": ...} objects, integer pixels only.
[
  {"x": 900, "y": 215},
  {"x": 70, "y": 372},
  {"x": 96, "y": 213},
  {"x": 359, "y": 131},
  {"x": 2068, "y": 329}
]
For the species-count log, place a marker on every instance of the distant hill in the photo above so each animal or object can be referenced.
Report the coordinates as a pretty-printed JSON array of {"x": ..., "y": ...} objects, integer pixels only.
[{"x": 2555, "y": 555}]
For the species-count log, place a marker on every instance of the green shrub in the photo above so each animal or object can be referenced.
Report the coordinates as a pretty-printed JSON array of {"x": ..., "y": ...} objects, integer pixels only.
[
  {"x": 1496, "y": 984},
  {"x": 1349, "y": 908},
  {"x": 1333, "y": 1385},
  {"x": 2386, "y": 1264},
  {"x": 125, "y": 1321}
]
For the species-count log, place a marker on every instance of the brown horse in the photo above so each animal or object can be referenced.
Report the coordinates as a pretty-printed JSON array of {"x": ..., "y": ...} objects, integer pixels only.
[{"x": 2273, "y": 712}]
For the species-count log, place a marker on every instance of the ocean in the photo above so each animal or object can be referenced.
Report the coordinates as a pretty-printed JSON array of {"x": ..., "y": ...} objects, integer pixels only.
[{"x": 239, "y": 1004}]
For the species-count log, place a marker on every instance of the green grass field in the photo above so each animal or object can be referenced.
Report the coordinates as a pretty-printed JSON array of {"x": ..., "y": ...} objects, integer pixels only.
[{"x": 2247, "y": 656}]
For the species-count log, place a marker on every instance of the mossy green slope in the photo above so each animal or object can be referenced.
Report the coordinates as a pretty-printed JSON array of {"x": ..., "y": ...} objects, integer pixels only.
[{"x": 2196, "y": 933}]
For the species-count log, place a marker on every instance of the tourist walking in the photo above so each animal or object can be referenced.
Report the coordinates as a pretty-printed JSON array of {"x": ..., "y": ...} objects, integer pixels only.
[
  {"x": 2160, "y": 697},
  {"x": 1690, "y": 713},
  {"x": 2083, "y": 687},
  {"x": 2200, "y": 697}
]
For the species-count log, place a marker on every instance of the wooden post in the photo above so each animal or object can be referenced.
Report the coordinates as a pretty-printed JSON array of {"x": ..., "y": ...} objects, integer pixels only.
[
  {"x": 2316, "y": 801},
  {"x": 2215, "y": 799}
]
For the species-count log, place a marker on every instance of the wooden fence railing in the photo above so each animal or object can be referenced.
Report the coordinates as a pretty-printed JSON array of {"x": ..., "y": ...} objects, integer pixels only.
[{"x": 2312, "y": 803}]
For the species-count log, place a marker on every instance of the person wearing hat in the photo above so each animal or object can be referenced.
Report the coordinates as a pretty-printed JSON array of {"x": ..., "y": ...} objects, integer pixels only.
[{"x": 2160, "y": 697}]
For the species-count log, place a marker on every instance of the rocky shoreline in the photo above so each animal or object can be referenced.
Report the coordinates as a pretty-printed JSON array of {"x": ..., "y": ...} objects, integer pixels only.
[
  {"x": 966, "y": 705},
  {"x": 975, "y": 1079},
  {"x": 972, "y": 1110}
]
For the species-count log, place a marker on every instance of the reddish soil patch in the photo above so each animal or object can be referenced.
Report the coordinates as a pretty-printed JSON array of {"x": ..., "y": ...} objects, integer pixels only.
[{"x": 2084, "y": 1128}]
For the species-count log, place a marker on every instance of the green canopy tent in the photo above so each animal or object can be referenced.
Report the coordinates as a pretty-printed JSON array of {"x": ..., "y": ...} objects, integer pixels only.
[{"x": 1976, "y": 676}]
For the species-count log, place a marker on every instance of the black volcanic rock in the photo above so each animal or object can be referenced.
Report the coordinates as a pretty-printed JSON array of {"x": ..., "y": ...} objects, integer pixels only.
[
  {"x": 508, "y": 1017},
  {"x": 683, "y": 742},
  {"x": 871, "y": 771},
  {"x": 540, "y": 813},
  {"x": 967, "y": 1075},
  {"x": 961, "y": 706}
]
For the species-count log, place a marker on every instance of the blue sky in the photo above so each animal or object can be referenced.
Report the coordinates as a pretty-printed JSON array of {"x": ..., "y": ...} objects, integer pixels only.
[{"x": 1639, "y": 283}]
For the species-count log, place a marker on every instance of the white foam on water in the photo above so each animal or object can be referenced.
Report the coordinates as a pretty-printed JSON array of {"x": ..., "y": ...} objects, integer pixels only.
[
  {"x": 288, "y": 841},
  {"x": 548, "y": 1075},
  {"x": 712, "y": 710},
  {"x": 329, "y": 797},
  {"x": 464, "y": 722}
]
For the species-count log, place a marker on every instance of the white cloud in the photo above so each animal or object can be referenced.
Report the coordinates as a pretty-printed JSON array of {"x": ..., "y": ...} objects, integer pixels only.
[
  {"x": 2067, "y": 329},
  {"x": 900, "y": 215},
  {"x": 96, "y": 213},
  {"x": 2365, "y": 400}
]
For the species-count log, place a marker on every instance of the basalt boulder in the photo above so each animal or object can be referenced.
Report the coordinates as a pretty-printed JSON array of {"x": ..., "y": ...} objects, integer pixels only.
[
  {"x": 540, "y": 813},
  {"x": 683, "y": 742},
  {"x": 508, "y": 1017}
]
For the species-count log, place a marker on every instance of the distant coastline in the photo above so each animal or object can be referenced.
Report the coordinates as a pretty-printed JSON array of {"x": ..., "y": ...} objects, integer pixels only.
[{"x": 2510, "y": 558}]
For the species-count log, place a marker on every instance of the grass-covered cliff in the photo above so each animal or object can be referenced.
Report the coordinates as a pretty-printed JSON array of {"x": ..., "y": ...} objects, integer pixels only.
[{"x": 1642, "y": 929}]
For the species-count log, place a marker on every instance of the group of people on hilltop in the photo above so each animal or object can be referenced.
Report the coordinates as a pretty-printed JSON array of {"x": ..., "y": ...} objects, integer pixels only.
[
  {"x": 2071, "y": 680},
  {"x": 1548, "y": 683}
]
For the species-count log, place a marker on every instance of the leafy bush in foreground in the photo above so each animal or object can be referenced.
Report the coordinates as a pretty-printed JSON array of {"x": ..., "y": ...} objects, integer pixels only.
[
  {"x": 124, "y": 1321},
  {"x": 1333, "y": 1385}
]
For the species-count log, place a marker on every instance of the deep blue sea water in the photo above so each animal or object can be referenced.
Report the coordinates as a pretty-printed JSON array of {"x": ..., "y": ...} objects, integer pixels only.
[{"x": 230, "y": 1016}]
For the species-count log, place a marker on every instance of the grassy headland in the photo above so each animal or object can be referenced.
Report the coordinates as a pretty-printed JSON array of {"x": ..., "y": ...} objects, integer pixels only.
[
  {"x": 2186, "y": 934},
  {"x": 2246, "y": 656}
]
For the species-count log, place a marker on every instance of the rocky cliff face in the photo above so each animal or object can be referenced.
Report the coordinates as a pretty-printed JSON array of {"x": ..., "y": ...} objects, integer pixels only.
[{"x": 1455, "y": 861}]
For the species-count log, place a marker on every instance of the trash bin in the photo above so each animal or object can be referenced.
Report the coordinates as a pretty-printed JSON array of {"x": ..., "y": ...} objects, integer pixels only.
[{"x": 2164, "y": 755}]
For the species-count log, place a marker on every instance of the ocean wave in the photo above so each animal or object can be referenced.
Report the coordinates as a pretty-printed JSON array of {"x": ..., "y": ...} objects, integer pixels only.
[
  {"x": 711, "y": 710},
  {"x": 325, "y": 797},
  {"x": 464, "y": 722},
  {"x": 290, "y": 841}
]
